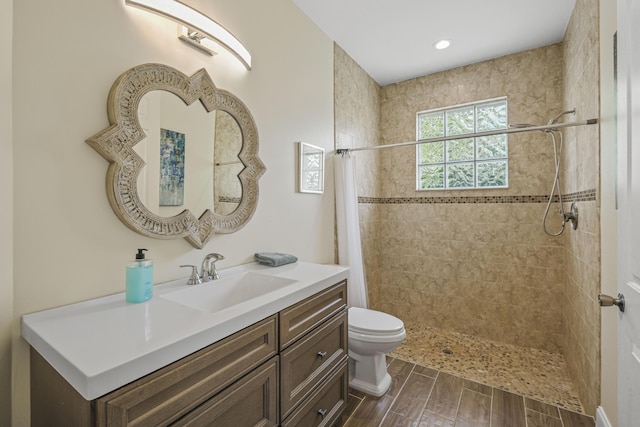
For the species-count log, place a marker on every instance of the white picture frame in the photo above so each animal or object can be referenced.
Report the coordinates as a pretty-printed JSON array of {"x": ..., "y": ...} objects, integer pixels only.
[{"x": 310, "y": 168}]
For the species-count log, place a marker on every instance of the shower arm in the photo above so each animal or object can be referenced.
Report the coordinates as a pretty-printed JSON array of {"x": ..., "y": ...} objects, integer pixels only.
[{"x": 548, "y": 127}]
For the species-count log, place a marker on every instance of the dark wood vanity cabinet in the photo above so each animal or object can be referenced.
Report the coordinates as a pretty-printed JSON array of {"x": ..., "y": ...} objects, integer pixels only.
[
  {"x": 288, "y": 369},
  {"x": 251, "y": 401},
  {"x": 168, "y": 394},
  {"x": 313, "y": 358}
]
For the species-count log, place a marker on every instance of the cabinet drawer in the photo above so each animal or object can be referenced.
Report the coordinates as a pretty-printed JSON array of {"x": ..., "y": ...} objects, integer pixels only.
[
  {"x": 252, "y": 401},
  {"x": 169, "y": 393},
  {"x": 325, "y": 404},
  {"x": 309, "y": 313},
  {"x": 310, "y": 359}
]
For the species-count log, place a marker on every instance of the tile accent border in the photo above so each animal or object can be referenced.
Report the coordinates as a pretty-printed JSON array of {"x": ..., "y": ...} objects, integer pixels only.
[{"x": 580, "y": 196}]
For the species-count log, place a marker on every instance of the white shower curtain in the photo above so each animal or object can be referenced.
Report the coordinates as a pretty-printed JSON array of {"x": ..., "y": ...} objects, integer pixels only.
[{"x": 348, "y": 225}]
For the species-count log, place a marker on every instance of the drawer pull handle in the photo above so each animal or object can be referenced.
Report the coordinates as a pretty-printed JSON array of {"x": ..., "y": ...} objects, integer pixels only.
[
  {"x": 321, "y": 354},
  {"x": 322, "y": 412}
]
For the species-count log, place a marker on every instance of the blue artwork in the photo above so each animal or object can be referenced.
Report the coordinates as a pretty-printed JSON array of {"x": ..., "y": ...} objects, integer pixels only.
[{"x": 171, "y": 168}]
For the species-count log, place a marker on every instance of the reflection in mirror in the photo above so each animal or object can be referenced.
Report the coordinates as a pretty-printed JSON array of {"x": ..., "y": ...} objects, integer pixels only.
[
  {"x": 191, "y": 157},
  {"x": 167, "y": 131},
  {"x": 227, "y": 186}
]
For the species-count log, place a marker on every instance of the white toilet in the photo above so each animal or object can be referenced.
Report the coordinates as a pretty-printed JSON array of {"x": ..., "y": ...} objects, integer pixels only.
[{"x": 372, "y": 334}]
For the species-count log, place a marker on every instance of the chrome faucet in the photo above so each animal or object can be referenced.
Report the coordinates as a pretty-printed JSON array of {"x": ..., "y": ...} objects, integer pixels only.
[{"x": 208, "y": 269}]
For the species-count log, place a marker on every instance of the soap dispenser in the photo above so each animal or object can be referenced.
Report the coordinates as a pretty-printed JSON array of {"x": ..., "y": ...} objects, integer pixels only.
[{"x": 139, "y": 279}]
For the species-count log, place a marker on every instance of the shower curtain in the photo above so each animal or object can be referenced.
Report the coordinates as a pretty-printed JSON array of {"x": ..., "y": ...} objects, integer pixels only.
[{"x": 348, "y": 226}]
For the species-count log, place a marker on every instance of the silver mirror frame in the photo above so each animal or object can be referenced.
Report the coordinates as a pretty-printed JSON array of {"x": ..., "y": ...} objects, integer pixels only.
[{"x": 115, "y": 144}]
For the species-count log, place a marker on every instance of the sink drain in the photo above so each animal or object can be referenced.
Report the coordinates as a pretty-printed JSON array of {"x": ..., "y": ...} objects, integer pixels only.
[{"x": 447, "y": 351}]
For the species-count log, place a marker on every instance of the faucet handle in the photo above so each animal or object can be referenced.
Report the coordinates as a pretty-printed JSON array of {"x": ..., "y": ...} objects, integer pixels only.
[
  {"x": 195, "y": 278},
  {"x": 216, "y": 257},
  {"x": 213, "y": 273},
  {"x": 209, "y": 271}
]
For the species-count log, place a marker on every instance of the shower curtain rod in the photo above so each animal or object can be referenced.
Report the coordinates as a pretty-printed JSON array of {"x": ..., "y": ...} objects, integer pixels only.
[{"x": 554, "y": 126}]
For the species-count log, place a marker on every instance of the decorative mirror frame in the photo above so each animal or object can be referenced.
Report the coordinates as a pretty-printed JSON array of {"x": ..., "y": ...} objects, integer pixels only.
[{"x": 115, "y": 144}]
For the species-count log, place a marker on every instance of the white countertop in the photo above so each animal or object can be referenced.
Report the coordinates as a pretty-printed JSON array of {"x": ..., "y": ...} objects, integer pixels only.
[{"x": 105, "y": 343}]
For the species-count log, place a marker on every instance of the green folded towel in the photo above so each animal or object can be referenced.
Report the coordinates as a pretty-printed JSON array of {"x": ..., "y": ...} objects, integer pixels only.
[{"x": 274, "y": 259}]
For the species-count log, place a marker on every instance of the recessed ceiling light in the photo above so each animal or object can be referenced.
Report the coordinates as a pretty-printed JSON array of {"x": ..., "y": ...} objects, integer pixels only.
[{"x": 442, "y": 44}]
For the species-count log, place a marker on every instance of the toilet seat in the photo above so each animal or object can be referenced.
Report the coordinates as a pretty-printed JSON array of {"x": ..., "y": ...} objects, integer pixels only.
[{"x": 374, "y": 323}]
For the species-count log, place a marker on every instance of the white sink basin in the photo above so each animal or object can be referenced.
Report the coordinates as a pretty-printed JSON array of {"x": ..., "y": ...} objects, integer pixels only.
[
  {"x": 227, "y": 292},
  {"x": 102, "y": 344}
]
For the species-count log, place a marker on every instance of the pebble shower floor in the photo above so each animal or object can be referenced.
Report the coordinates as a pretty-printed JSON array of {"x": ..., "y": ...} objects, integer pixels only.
[{"x": 536, "y": 374}]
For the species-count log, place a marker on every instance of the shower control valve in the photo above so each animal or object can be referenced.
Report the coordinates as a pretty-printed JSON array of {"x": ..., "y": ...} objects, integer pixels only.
[{"x": 571, "y": 216}]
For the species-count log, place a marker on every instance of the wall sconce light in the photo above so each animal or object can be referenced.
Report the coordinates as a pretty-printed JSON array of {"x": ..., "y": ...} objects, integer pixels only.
[{"x": 195, "y": 28}]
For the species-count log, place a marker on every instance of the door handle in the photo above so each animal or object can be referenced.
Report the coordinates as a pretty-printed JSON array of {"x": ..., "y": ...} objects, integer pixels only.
[{"x": 607, "y": 301}]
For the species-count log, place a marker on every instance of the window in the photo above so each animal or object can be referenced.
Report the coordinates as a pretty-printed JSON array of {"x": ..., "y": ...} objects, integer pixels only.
[{"x": 468, "y": 162}]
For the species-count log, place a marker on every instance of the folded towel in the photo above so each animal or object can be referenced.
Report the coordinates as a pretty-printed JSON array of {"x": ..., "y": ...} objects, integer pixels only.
[{"x": 274, "y": 259}]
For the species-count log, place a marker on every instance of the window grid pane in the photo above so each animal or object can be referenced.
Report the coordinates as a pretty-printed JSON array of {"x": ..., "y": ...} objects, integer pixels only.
[
  {"x": 432, "y": 176},
  {"x": 432, "y": 152},
  {"x": 460, "y": 175},
  {"x": 491, "y": 116},
  {"x": 491, "y": 147},
  {"x": 480, "y": 162},
  {"x": 492, "y": 174},
  {"x": 460, "y": 121},
  {"x": 460, "y": 149},
  {"x": 431, "y": 125}
]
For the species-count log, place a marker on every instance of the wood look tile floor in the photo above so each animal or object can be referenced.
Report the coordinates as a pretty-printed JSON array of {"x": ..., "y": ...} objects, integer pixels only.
[{"x": 426, "y": 397}]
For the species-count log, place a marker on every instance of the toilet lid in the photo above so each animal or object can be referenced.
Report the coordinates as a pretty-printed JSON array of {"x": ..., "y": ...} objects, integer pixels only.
[{"x": 373, "y": 322}]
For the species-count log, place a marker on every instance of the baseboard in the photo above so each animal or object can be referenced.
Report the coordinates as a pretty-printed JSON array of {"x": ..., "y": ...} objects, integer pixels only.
[{"x": 601, "y": 418}]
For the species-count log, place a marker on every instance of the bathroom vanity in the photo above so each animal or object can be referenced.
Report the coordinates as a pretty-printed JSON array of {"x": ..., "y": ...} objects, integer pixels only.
[{"x": 277, "y": 356}]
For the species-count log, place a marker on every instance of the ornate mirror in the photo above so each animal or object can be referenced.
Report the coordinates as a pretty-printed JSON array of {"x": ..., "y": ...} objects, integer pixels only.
[{"x": 170, "y": 156}]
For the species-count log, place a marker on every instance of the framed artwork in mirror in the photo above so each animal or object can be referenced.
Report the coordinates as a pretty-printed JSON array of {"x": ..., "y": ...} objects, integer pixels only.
[
  {"x": 171, "y": 168},
  {"x": 311, "y": 168}
]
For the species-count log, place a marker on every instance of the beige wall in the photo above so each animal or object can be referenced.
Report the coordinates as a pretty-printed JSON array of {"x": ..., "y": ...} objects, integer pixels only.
[
  {"x": 69, "y": 245},
  {"x": 608, "y": 215},
  {"x": 581, "y": 168},
  {"x": 6, "y": 210}
]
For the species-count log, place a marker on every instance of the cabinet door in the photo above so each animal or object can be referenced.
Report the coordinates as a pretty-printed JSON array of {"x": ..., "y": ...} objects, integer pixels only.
[
  {"x": 310, "y": 359},
  {"x": 169, "y": 393},
  {"x": 252, "y": 401},
  {"x": 325, "y": 404},
  {"x": 302, "y": 317}
]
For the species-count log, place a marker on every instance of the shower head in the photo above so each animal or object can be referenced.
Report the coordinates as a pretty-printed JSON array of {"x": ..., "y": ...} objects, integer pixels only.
[{"x": 555, "y": 119}]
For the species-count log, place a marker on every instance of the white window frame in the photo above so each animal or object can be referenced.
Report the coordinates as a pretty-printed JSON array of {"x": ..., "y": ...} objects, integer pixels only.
[{"x": 475, "y": 160}]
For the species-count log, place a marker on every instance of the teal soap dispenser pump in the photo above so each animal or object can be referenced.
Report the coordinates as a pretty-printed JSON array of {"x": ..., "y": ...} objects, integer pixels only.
[{"x": 139, "y": 286}]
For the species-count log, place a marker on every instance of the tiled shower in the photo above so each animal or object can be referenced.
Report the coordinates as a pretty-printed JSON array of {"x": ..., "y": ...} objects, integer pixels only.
[{"x": 476, "y": 262}]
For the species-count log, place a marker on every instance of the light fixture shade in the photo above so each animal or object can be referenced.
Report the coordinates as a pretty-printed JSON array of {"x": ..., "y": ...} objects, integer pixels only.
[{"x": 191, "y": 18}]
